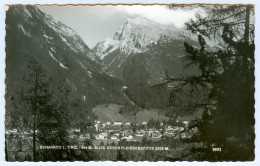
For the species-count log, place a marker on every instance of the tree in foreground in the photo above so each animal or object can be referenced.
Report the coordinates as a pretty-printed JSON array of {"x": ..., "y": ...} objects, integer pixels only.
[
  {"x": 54, "y": 124},
  {"x": 36, "y": 97},
  {"x": 47, "y": 113},
  {"x": 224, "y": 89}
]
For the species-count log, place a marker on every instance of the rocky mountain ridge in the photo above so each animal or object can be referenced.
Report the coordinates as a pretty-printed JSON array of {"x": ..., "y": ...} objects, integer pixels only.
[{"x": 139, "y": 36}]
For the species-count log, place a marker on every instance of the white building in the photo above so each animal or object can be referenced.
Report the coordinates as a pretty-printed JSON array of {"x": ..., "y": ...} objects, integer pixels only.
[
  {"x": 101, "y": 136},
  {"x": 181, "y": 129},
  {"x": 81, "y": 136},
  {"x": 113, "y": 137},
  {"x": 117, "y": 134},
  {"x": 97, "y": 121},
  {"x": 140, "y": 133},
  {"x": 118, "y": 123},
  {"x": 108, "y": 123},
  {"x": 36, "y": 131},
  {"x": 96, "y": 126},
  {"x": 14, "y": 131},
  {"x": 144, "y": 123},
  {"x": 156, "y": 135},
  {"x": 84, "y": 98},
  {"x": 127, "y": 123},
  {"x": 177, "y": 129},
  {"x": 183, "y": 135},
  {"x": 195, "y": 129},
  {"x": 170, "y": 132},
  {"x": 124, "y": 88},
  {"x": 128, "y": 138},
  {"x": 169, "y": 128},
  {"x": 103, "y": 125},
  {"x": 26, "y": 133},
  {"x": 150, "y": 131},
  {"x": 186, "y": 123}
]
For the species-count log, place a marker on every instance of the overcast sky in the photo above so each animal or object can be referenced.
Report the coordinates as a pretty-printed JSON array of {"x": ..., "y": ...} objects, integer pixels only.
[{"x": 96, "y": 23}]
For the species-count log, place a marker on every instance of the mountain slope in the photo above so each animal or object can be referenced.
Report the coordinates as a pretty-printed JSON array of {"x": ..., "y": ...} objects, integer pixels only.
[
  {"x": 62, "y": 54},
  {"x": 134, "y": 36},
  {"x": 150, "y": 67},
  {"x": 143, "y": 45},
  {"x": 140, "y": 53}
]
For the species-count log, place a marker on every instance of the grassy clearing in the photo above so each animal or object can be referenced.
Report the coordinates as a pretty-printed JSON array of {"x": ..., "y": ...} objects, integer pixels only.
[{"x": 112, "y": 113}]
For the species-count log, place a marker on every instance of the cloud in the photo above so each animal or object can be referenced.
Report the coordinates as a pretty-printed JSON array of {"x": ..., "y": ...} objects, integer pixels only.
[{"x": 160, "y": 14}]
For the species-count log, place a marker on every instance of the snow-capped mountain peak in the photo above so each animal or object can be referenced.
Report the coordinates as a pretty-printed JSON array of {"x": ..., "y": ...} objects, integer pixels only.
[
  {"x": 134, "y": 35},
  {"x": 137, "y": 36}
]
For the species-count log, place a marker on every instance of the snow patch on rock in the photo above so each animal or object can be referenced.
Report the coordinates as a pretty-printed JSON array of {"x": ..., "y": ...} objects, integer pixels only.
[
  {"x": 53, "y": 50},
  {"x": 50, "y": 53},
  {"x": 90, "y": 74},
  {"x": 27, "y": 12},
  {"x": 61, "y": 65},
  {"x": 24, "y": 31}
]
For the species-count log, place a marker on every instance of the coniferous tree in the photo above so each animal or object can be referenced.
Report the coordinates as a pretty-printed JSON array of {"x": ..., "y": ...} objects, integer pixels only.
[
  {"x": 54, "y": 124},
  {"x": 226, "y": 80},
  {"x": 120, "y": 156},
  {"x": 36, "y": 97}
]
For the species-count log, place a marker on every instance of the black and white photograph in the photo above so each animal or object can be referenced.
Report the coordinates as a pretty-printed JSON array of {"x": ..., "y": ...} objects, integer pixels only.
[{"x": 168, "y": 82}]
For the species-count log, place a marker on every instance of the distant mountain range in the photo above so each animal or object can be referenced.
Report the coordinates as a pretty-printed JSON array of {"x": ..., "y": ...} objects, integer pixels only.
[
  {"x": 142, "y": 50},
  {"x": 138, "y": 54}
]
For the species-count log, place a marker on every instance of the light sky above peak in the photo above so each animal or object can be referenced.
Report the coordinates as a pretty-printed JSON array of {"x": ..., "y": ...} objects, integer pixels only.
[
  {"x": 95, "y": 23},
  {"x": 160, "y": 14}
]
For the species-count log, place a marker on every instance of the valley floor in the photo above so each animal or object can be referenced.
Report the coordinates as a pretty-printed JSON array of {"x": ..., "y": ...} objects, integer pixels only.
[{"x": 111, "y": 112}]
